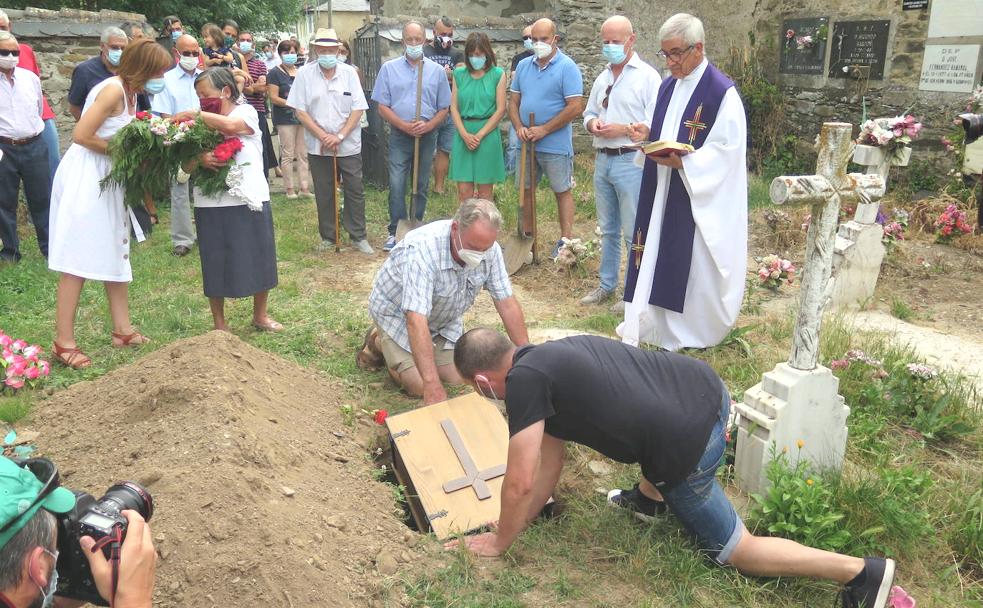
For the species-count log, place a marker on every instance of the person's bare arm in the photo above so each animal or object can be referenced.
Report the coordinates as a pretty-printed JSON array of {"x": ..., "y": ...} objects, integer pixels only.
[
  {"x": 501, "y": 106},
  {"x": 258, "y": 86},
  {"x": 513, "y": 319},
  {"x": 108, "y": 102},
  {"x": 514, "y": 98},
  {"x": 76, "y": 111},
  {"x": 421, "y": 346},
  {"x": 275, "y": 99},
  {"x": 574, "y": 107}
]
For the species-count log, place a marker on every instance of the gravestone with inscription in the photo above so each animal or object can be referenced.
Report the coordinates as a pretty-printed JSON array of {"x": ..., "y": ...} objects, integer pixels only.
[
  {"x": 803, "y": 45},
  {"x": 949, "y": 68},
  {"x": 955, "y": 18},
  {"x": 858, "y": 43}
]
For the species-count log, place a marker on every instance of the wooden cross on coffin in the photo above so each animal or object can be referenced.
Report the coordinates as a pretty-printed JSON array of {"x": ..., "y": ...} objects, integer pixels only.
[{"x": 440, "y": 450}]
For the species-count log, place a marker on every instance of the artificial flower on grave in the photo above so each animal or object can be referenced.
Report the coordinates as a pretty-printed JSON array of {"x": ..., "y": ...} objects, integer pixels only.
[
  {"x": 21, "y": 363},
  {"x": 574, "y": 251},
  {"x": 774, "y": 272},
  {"x": 951, "y": 223},
  {"x": 891, "y": 134}
]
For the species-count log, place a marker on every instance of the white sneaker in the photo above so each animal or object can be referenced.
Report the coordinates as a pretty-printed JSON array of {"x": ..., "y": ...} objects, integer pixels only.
[
  {"x": 292, "y": 196},
  {"x": 364, "y": 247},
  {"x": 326, "y": 245},
  {"x": 596, "y": 297}
]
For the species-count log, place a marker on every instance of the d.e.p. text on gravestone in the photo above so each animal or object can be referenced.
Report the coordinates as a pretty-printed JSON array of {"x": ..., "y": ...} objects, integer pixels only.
[{"x": 858, "y": 43}]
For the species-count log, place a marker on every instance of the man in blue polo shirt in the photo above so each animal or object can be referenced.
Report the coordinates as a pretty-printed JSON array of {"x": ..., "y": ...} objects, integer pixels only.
[
  {"x": 395, "y": 92},
  {"x": 550, "y": 85},
  {"x": 178, "y": 96},
  {"x": 92, "y": 71}
]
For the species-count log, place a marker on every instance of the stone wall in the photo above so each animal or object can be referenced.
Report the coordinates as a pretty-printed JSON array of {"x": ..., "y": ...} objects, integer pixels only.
[{"x": 61, "y": 40}]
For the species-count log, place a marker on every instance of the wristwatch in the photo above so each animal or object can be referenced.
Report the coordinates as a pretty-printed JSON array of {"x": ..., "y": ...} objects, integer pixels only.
[{"x": 341, "y": 136}]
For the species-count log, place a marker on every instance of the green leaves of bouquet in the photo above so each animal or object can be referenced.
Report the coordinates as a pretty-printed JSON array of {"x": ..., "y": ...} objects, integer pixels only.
[{"x": 147, "y": 153}]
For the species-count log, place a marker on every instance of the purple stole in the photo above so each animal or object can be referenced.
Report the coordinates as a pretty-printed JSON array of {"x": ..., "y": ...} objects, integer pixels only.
[{"x": 672, "y": 265}]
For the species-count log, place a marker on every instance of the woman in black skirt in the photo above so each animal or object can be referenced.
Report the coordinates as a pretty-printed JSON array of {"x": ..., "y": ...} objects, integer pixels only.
[{"x": 235, "y": 229}]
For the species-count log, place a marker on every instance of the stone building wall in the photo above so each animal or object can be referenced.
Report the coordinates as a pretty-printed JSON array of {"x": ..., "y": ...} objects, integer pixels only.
[{"x": 61, "y": 40}]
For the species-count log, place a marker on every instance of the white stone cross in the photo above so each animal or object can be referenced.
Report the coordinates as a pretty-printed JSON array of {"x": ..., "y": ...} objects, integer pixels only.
[
  {"x": 798, "y": 401},
  {"x": 825, "y": 191}
]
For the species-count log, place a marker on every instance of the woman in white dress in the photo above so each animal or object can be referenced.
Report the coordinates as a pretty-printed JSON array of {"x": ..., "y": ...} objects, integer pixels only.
[
  {"x": 235, "y": 228},
  {"x": 89, "y": 229}
]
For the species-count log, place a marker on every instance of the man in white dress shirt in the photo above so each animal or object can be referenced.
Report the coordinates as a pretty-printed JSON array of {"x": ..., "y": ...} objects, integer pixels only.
[
  {"x": 23, "y": 152},
  {"x": 623, "y": 94},
  {"x": 178, "y": 96},
  {"x": 688, "y": 256}
]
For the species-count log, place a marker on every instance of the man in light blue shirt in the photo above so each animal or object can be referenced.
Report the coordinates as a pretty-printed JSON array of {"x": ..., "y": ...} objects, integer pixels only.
[
  {"x": 179, "y": 95},
  {"x": 548, "y": 84},
  {"x": 395, "y": 92}
]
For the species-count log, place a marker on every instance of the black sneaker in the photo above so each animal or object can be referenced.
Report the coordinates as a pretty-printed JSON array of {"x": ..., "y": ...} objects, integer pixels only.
[
  {"x": 870, "y": 588},
  {"x": 643, "y": 508}
]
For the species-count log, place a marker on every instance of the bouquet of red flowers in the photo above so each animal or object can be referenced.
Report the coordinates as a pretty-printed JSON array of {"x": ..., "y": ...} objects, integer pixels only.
[{"x": 215, "y": 182}]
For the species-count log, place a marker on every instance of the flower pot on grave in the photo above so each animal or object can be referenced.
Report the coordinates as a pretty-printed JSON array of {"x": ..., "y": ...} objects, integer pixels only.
[
  {"x": 868, "y": 155},
  {"x": 901, "y": 156}
]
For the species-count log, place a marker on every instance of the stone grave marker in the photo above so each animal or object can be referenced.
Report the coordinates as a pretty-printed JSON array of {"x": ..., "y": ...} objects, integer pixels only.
[
  {"x": 858, "y": 43},
  {"x": 799, "y": 400},
  {"x": 802, "y": 44},
  {"x": 451, "y": 458}
]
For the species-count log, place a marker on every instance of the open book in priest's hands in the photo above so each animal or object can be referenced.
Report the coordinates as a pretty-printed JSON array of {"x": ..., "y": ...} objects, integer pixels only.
[{"x": 663, "y": 148}]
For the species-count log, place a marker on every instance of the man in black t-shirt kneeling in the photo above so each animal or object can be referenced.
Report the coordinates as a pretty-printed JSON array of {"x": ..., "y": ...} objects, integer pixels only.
[{"x": 665, "y": 411}]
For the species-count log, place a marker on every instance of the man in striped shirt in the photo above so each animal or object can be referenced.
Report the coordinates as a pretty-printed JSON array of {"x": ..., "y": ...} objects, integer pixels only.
[{"x": 255, "y": 91}]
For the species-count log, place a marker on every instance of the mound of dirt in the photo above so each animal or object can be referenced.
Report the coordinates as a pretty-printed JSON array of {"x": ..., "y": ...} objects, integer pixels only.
[{"x": 263, "y": 498}]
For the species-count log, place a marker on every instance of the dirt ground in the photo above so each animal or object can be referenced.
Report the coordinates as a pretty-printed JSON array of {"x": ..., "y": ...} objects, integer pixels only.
[{"x": 263, "y": 496}]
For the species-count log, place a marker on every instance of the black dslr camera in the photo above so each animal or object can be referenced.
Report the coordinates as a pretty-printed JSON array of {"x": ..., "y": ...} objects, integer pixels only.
[
  {"x": 102, "y": 520},
  {"x": 973, "y": 126}
]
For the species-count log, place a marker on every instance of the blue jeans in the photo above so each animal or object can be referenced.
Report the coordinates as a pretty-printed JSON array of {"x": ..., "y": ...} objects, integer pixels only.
[
  {"x": 700, "y": 503},
  {"x": 617, "y": 181},
  {"x": 50, "y": 137},
  {"x": 512, "y": 151},
  {"x": 445, "y": 135},
  {"x": 557, "y": 167},
  {"x": 28, "y": 164},
  {"x": 401, "y": 172}
]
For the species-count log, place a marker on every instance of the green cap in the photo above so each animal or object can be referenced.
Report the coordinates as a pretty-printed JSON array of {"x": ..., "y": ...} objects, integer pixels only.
[{"x": 19, "y": 488}]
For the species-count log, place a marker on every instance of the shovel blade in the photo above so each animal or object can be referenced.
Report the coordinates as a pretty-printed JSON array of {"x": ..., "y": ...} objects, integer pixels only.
[
  {"x": 404, "y": 226},
  {"x": 516, "y": 251}
]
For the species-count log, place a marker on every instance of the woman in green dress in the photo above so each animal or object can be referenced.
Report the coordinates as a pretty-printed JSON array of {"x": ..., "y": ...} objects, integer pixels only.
[{"x": 477, "y": 106}]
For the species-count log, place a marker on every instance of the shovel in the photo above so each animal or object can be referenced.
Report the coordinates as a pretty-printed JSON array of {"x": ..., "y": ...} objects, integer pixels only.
[
  {"x": 518, "y": 246},
  {"x": 337, "y": 208},
  {"x": 405, "y": 225}
]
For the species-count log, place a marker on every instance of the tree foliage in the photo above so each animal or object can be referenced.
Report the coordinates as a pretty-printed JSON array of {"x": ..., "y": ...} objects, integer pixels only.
[{"x": 259, "y": 15}]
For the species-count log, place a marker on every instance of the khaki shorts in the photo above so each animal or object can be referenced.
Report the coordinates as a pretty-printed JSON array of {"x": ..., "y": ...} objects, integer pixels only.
[{"x": 400, "y": 360}]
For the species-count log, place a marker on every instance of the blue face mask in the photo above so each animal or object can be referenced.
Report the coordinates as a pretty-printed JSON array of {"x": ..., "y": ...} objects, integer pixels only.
[
  {"x": 49, "y": 593},
  {"x": 289, "y": 58},
  {"x": 175, "y": 34},
  {"x": 614, "y": 53},
  {"x": 527, "y": 43},
  {"x": 154, "y": 86},
  {"x": 246, "y": 47},
  {"x": 414, "y": 51},
  {"x": 477, "y": 63},
  {"x": 327, "y": 61},
  {"x": 114, "y": 56}
]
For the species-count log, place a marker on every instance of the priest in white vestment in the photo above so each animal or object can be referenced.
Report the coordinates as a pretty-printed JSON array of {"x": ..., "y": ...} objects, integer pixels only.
[{"x": 688, "y": 259}]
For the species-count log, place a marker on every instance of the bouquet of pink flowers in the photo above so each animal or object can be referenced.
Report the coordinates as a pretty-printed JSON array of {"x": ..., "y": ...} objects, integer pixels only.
[
  {"x": 775, "y": 271},
  {"x": 950, "y": 224},
  {"x": 890, "y": 133},
  {"x": 22, "y": 363}
]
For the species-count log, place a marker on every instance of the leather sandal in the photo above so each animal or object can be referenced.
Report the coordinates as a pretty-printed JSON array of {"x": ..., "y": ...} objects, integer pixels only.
[
  {"x": 369, "y": 356},
  {"x": 270, "y": 325},
  {"x": 71, "y": 357},
  {"x": 131, "y": 339}
]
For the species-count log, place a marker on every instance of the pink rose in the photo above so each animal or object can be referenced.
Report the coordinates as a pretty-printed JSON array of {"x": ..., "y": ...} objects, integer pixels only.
[
  {"x": 16, "y": 369},
  {"x": 14, "y": 383},
  {"x": 45, "y": 368},
  {"x": 19, "y": 345},
  {"x": 899, "y": 598},
  {"x": 8, "y": 355},
  {"x": 5, "y": 340},
  {"x": 32, "y": 373},
  {"x": 32, "y": 351}
]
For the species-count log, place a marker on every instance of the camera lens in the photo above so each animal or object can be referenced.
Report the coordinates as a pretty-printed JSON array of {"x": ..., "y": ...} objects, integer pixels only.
[
  {"x": 973, "y": 126},
  {"x": 130, "y": 495}
]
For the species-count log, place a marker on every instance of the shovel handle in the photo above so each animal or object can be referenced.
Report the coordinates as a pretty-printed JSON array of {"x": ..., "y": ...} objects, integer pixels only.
[
  {"x": 337, "y": 209},
  {"x": 532, "y": 187},
  {"x": 522, "y": 191}
]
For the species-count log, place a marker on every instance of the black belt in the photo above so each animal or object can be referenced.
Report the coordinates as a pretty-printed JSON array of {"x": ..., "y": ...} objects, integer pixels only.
[
  {"x": 475, "y": 117},
  {"x": 617, "y": 151},
  {"x": 19, "y": 142}
]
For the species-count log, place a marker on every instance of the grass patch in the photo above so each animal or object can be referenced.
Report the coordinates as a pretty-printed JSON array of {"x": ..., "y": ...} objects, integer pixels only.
[{"x": 901, "y": 310}]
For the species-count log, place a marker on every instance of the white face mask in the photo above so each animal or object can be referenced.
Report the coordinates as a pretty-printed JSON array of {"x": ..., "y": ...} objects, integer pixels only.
[
  {"x": 477, "y": 383},
  {"x": 8, "y": 62},
  {"x": 189, "y": 63},
  {"x": 48, "y": 594},
  {"x": 542, "y": 49},
  {"x": 470, "y": 257}
]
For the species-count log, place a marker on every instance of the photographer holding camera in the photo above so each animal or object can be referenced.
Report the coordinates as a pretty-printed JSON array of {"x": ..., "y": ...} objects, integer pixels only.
[{"x": 39, "y": 519}]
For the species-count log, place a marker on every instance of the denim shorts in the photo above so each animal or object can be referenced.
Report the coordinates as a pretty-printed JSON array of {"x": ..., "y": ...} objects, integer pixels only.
[
  {"x": 557, "y": 167},
  {"x": 699, "y": 501},
  {"x": 445, "y": 135}
]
